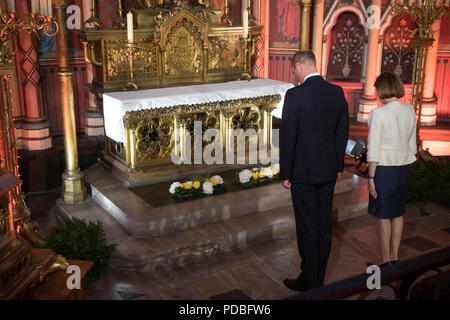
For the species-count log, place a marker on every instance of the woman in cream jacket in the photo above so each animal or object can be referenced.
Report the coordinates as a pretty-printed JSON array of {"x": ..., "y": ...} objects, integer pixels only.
[{"x": 391, "y": 151}]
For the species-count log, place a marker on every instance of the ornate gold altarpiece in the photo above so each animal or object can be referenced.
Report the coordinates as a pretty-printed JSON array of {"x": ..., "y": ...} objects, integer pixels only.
[{"x": 175, "y": 43}]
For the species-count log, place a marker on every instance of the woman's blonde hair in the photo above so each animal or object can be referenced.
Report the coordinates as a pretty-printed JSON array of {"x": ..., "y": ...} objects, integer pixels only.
[{"x": 389, "y": 85}]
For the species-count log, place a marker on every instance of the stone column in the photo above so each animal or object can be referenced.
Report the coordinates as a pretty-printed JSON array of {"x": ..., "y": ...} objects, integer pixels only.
[
  {"x": 94, "y": 125},
  {"x": 73, "y": 189},
  {"x": 33, "y": 132},
  {"x": 305, "y": 13},
  {"x": 368, "y": 100},
  {"x": 318, "y": 32},
  {"x": 429, "y": 99}
]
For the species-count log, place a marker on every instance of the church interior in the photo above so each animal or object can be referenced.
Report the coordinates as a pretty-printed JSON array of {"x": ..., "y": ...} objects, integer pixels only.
[{"x": 97, "y": 96}]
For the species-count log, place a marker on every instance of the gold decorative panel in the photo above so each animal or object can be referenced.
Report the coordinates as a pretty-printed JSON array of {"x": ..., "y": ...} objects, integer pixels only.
[
  {"x": 183, "y": 49},
  {"x": 153, "y": 138},
  {"x": 224, "y": 54},
  {"x": 118, "y": 66},
  {"x": 246, "y": 118}
]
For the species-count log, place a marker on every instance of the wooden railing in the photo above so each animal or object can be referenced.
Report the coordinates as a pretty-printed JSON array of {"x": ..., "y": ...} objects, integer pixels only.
[{"x": 404, "y": 274}]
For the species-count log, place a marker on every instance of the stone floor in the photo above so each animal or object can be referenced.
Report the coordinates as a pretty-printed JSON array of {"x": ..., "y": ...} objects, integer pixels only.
[{"x": 257, "y": 272}]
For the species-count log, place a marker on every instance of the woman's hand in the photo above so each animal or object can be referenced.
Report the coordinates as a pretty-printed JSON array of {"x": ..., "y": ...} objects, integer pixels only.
[{"x": 372, "y": 190}]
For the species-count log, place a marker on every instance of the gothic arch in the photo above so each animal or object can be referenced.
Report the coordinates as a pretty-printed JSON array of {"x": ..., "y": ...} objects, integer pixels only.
[
  {"x": 331, "y": 19},
  {"x": 346, "y": 49}
]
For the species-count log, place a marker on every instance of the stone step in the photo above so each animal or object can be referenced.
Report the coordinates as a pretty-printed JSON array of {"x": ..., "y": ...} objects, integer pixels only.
[
  {"x": 183, "y": 247},
  {"x": 144, "y": 220},
  {"x": 180, "y": 248}
]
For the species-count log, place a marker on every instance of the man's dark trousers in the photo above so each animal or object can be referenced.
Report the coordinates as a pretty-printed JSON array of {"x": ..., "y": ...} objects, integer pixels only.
[{"x": 313, "y": 207}]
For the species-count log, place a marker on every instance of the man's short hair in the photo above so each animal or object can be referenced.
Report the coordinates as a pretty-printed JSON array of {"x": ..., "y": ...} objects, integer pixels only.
[
  {"x": 389, "y": 85},
  {"x": 304, "y": 57}
]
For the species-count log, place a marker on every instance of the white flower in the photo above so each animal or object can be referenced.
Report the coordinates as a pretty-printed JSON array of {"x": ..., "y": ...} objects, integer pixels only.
[
  {"x": 173, "y": 186},
  {"x": 267, "y": 172},
  {"x": 276, "y": 166},
  {"x": 218, "y": 178},
  {"x": 207, "y": 188},
  {"x": 244, "y": 176},
  {"x": 255, "y": 169}
]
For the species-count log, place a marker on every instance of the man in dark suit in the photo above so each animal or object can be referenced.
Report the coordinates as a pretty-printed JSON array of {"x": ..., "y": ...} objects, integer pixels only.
[{"x": 313, "y": 138}]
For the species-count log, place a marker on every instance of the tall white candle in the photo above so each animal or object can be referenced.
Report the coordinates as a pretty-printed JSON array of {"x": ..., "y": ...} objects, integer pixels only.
[
  {"x": 420, "y": 3},
  {"x": 244, "y": 19},
  {"x": 130, "y": 30}
]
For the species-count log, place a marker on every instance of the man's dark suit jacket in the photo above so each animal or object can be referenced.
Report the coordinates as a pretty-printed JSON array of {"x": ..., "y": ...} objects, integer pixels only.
[{"x": 314, "y": 132}]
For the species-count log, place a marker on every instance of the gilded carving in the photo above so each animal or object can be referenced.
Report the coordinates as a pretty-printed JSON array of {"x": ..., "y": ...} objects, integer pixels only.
[
  {"x": 132, "y": 118},
  {"x": 246, "y": 118},
  {"x": 199, "y": 11},
  {"x": 210, "y": 120},
  {"x": 223, "y": 53},
  {"x": 184, "y": 52},
  {"x": 118, "y": 63},
  {"x": 153, "y": 138}
]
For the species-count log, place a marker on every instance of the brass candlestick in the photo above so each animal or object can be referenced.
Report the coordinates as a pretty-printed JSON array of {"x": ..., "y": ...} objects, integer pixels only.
[
  {"x": 226, "y": 18},
  {"x": 246, "y": 60},
  {"x": 252, "y": 21},
  {"x": 133, "y": 48},
  {"x": 93, "y": 20},
  {"x": 121, "y": 21},
  {"x": 424, "y": 15}
]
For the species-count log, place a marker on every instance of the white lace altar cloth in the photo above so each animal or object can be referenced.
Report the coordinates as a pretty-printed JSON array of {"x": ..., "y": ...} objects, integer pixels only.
[{"x": 116, "y": 104}]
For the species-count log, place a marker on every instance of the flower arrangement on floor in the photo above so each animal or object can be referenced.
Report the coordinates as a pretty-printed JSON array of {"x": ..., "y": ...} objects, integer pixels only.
[
  {"x": 197, "y": 187},
  {"x": 258, "y": 175}
]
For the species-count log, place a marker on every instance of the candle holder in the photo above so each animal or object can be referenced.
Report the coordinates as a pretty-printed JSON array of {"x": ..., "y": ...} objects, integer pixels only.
[
  {"x": 252, "y": 21},
  {"x": 93, "y": 20},
  {"x": 424, "y": 13},
  {"x": 133, "y": 48},
  {"x": 246, "y": 75},
  {"x": 121, "y": 21},
  {"x": 226, "y": 17}
]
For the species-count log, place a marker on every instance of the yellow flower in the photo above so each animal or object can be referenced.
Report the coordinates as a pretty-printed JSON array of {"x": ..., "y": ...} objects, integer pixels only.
[
  {"x": 214, "y": 181},
  {"x": 196, "y": 184},
  {"x": 255, "y": 175},
  {"x": 274, "y": 171},
  {"x": 261, "y": 174},
  {"x": 187, "y": 186}
]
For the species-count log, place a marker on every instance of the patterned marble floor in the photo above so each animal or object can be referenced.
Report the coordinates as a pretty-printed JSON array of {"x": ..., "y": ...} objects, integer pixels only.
[{"x": 257, "y": 272}]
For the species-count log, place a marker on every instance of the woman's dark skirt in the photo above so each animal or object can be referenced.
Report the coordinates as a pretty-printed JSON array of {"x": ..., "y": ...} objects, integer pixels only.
[{"x": 391, "y": 185}]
